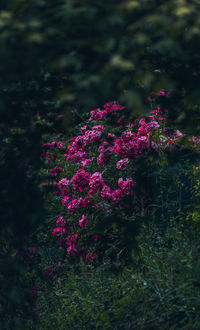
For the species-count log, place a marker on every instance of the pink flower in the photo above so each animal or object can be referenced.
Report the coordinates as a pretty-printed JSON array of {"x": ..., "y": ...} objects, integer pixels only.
[
  {"x": 94, "y": 135},
  {"x": 60, "y": 222},
  {"x": 111, "y": 136},
  {"x": 154, "y": 124},
  {"x": 81, "y": 180},
  {"x": 52, "y": 145},
  {"x": 62, "y": 186},
  {"x": 96, "y": 181},
  {"x": 65, "y": 201},
  {"x": 84, "y": 162},
  {"x": 101, "y": 160},
  {"x": 72, "y": 251},
  {"x": 116, "y": 196},
  {"x": 126, "y": 185},
  {"x": 161, "y": 93},
  {"x": 71, "y": 240},
  {"x": 122, "y": 164},
  {"x": 59, "y": 231},
  {"x": 106, "y": 193},
  {"x": 83, "y": 129},
  {"x": 97, "y": 114},
  {"x": 177, "y": 133},
  {"x": 195, "y": 140},
  {"x": 74, "y": 205},
  {"x": 106, "y": 151},
  {"x": 83, "y": 221},
  {"x": 110, "y": 108}
]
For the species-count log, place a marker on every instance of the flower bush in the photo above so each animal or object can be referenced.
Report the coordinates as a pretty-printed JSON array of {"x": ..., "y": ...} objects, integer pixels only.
[{"x": 104, "y": 179}]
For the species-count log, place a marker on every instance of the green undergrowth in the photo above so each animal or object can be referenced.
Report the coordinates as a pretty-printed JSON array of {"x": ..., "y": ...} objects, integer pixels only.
[{"x": 159, "y": 289}]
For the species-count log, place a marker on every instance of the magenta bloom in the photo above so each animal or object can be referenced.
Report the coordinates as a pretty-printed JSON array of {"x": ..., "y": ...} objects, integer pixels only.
[
  {"x": 161, "y": 93},
  {"x": 83, "y": 221},
  {"x": 83, "y": 129},
  {"x": 106, "y": 193},
  {"x": 71, "y": 239},
  {"x": 154, "y": 124},
  {"x": 81, "y": 180},
  {"x": 96, "y": 182},
  {"x": 59, "y": 231},
  {"x": 60, "y": 222},
  {"x": 72, "y": 251},
  {"x": 122, "y": 164},
  {"x": 65, "y": 201},
  {"x": 53, "y": 145},
  {"x": 177, "y": 133},
  {"x": 62, "y": 186},
  {"x": 117, "y": 196},
  {"x": 126, "y": 185}
]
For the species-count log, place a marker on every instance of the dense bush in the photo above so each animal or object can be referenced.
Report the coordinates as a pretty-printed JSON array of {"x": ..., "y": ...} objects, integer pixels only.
[{"x": 99, "y": 213}]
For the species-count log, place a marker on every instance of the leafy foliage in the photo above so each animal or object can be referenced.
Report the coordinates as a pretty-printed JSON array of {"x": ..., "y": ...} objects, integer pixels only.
[
  {"x": 157, "y": 286},
  {"x": 52, "y": 62}
]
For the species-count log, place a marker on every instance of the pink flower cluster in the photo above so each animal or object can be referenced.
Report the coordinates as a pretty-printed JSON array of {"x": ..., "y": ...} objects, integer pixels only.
[
  {"x": 129, "y": 145},
  {"x": 60, "y": 230},
  {"x": 94, "y": 148},
  {"x": 53, "y": 145},
  {"x": 105, "y": 150},
  {"x": 110, "y": 195},
  {"x": 80, "y": 202},
  {"x": 195, "y": 140},
  {"x": 63, "y": 187},
  {"x": 126, "y": 185},
  {"x": 83, "y": 222},
  {"x": 81, "y": 180},
  {"x": 122, "y": 164},
  {"x": 162, "y": 93},
  {"x": 109, "y": 108},
  {"x": 76, "y": 150},
  {"x": 71, "y": 241},
  {"x": 96, "y": 182}
]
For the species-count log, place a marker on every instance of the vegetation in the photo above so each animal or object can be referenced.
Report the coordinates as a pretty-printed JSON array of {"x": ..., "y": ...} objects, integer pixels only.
[{"x": 54, "y": 68}]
